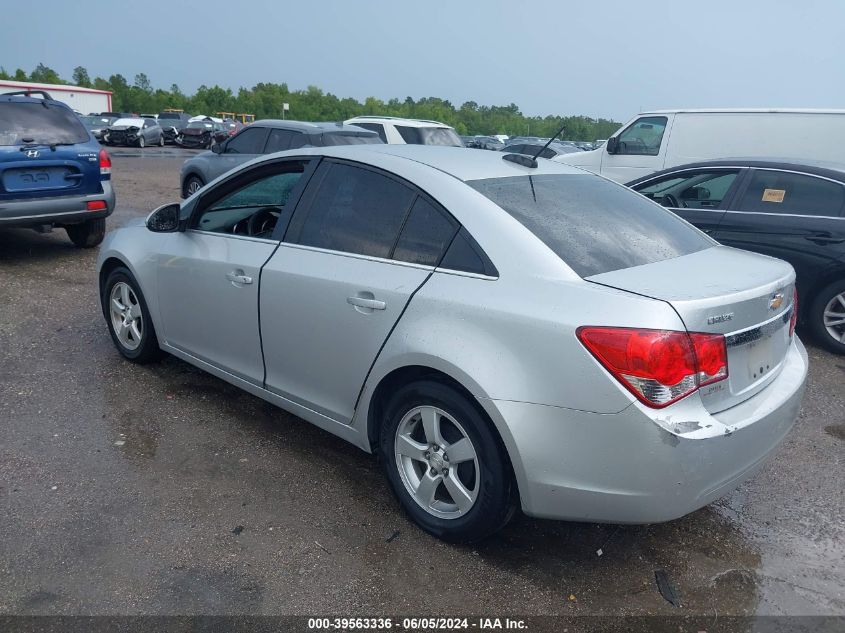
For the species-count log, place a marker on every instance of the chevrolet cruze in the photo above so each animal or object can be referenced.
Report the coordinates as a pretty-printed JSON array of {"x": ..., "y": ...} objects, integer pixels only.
[{"x": 503, "y": 332}]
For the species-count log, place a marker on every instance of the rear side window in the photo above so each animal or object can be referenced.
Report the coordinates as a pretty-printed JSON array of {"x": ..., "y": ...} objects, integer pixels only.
[
  {"x": 355, "y": 210},
  {"x": 378, "y": 128},
  {"x": 429, "y": 136},
  {"x": 37, "y": 122},
  {"x": 783, "y": 192},
  {"x": 593, "y": 225},
  {"x": 426, "y": 234},
  {"x": 278, "y": 141},
  {"x": 249, "y": 141},
  {"x": 351, "y": 139}
]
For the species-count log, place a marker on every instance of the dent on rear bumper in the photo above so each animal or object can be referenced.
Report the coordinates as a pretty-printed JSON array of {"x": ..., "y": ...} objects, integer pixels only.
[{"x": 628, "y": 468}]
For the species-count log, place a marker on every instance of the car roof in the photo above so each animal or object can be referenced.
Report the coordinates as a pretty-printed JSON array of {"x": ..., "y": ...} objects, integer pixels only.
[
  {"x": 308, "y": 127},
  {"x": 26, "y": 99},
  {"x": 746, "y": 110},
  {"x": 395, "y": 119},
  {"x": 836, "y": 171},
  {"x": 459, "y": 162}
]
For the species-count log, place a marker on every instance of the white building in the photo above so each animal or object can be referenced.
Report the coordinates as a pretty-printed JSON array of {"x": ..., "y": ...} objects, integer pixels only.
[{"x": 84, "y": 100}]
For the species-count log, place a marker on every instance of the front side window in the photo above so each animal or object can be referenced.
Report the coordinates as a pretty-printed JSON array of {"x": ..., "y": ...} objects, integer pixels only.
[
  {"x": 254, "y": 208},
  {"x": 249, "y": 141},
  {"x": 36, "y": 122},
  {"x": 643, "y": 137},
  {"x": 694, "y": 190},
  {"x": 799, "y": 194},
  {"x": 355, "y": 210},
  {"x": 592, "y": 224}
]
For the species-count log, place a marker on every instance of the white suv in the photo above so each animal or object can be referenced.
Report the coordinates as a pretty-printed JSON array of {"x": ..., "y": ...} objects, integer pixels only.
[{"x": 396, "y": 131}]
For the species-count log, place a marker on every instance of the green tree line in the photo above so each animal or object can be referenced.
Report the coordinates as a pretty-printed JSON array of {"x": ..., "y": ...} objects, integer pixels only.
[{"x": 265, "y": 100}]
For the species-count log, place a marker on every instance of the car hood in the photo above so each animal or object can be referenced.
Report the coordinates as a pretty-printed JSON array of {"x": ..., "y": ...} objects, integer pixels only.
[
  {"x": 195, "y": 131},
  {"x": 123, "y": 128}
]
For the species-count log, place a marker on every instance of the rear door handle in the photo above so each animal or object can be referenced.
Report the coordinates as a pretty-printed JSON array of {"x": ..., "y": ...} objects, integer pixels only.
[
  {"x": 361, "y": 302},
  {"x": 238, "y": 277}
]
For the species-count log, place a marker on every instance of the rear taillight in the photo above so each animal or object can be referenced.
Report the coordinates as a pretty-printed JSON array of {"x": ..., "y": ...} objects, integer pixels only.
[
  {"x": 658, "y": 366},
  {"x": 105, "y": 163},
  {"x": 96, "y": 205},
  {"x": 793, "y": 320}
]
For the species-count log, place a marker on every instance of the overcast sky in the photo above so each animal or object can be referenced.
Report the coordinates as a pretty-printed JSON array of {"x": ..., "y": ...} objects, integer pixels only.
[{"x": 608, "y": 58}]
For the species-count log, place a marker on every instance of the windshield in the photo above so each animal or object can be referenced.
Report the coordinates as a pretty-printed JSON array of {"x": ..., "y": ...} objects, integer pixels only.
[
  {"x": 429, "y": 136},
  {"x": 129, "y": 122},
  {"x": 39, "y": 122},
  {"x": 592, "y": 224}
]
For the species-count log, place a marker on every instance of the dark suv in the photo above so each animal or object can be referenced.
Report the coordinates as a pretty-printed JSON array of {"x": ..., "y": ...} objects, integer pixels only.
[
  {"x": 265, "y": 137},
  {"x": 53, "y": 171}
]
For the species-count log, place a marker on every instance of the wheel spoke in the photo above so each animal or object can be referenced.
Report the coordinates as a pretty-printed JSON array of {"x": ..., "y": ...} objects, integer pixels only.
[
  {"x": 460, "y": 495},
  {"x": 431, "y": 425},
  {"x": 460, "y": 451},
  {"x": 135, "y": 311},
  {"x": 117, "y": 306},
  {"x": 409, "y": 448},
  {"x": 124, "y": 295},
  {"x": 841, "y": 299},
  {"x": 427, "y": 488},
  {"x": 831, "y": 323},
  {"x": 136, "y": 331},
  {"x": 122, "y": 332}
]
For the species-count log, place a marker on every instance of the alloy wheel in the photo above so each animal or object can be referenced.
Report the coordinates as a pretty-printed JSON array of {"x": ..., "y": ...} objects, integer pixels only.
[
  {"x": 834, "y": 317},
  {"x": 193, "y": 187},
  {"x": 126, "y": 317},
  {"x": 437, "y": 462}
]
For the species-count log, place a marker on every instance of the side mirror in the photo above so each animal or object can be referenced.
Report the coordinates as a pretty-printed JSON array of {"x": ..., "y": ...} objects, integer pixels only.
[
  {"x": 165, "y": 219},
  {"x": 217, "y": 148},
  {"x": 612, "y": 145}
]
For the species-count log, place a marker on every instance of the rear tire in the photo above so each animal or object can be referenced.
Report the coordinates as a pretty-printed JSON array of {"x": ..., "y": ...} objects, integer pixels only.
[
  {"x": 161, "y": 141},
  {"x": 87, "y": 234},
  {"x": 455, "y": 482},
  {"x": 128, "y": 318},
  {"x": 824, "y": 316},
  {"x": 141, "y": 142}
]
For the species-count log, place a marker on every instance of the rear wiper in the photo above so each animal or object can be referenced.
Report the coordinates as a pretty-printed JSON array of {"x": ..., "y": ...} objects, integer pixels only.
[{"x": 29, "y": 145}]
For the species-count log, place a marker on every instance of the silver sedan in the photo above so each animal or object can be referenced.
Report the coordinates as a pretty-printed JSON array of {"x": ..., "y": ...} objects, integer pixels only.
[{"x": 504, "y": 333}]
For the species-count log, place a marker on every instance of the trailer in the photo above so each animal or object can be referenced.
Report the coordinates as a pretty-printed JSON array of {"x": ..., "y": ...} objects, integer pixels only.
[{"x": 83, "y": 100}]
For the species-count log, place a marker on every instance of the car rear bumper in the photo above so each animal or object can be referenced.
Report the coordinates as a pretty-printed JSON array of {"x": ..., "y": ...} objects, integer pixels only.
[
  {"x": 56, "y": 209},
  {"x": 628, "y": 468}
]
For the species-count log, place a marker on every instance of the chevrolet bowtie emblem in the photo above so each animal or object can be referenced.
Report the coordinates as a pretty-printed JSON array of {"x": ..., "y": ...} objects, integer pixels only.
[{"x": 776, "y": 301}]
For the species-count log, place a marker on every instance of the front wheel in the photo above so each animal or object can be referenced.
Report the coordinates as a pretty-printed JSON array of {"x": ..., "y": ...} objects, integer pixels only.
[
  {"x": 191, "y": 186},
  {"x": 128, "y": 318},
  {"x": 87, "y": 234},
  {"x": 161, "y": 141},
  {"x": 141, "y": 141},
  {"x": 445, "y": 463},
  {"x": 827, "y": 317}
]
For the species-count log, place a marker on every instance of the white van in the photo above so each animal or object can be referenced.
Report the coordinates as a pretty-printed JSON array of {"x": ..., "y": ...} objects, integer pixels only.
[{"x": 656, "y": 140}]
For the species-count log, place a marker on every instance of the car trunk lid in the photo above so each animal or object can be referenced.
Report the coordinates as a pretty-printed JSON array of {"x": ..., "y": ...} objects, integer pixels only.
[{"x": 744, "y": 296}]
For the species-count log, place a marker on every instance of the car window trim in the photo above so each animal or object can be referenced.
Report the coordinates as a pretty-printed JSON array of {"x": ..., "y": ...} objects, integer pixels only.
[
  {"x": 373, "y": 258},
  {"x": 730, "y": 194},
  {"x": 236, "y": 180},
  {"x": 752, "y": 170}
]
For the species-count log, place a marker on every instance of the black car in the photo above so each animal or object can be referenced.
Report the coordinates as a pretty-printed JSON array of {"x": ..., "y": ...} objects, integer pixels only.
[
  {"x": 792, "y": 211},
  {"x": 172, "y": 123},
  {"x": 265, "y": 137},
  {"x": 484, "y": 142},
  {"x": 203, "y": 134}
]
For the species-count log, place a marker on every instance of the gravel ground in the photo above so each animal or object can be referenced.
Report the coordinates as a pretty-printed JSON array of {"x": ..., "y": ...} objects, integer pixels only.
[{"x": 160, "y": 489}]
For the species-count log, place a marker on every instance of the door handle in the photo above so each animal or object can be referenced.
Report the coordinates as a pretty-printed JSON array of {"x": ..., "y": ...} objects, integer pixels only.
[
  {"x": 362, "y": 302},
  {"x": 238, "y": 277}
]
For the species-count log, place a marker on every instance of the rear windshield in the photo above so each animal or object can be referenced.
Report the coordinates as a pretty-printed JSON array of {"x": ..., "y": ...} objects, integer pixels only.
[
  {"x": 429, "y": 136},
  {"x": 592, "y": 224},
  {"x": 36, "y": 122},
  {"x": 350, "y": 139}
]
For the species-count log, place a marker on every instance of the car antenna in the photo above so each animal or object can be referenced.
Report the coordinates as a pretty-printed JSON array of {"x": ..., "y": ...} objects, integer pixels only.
[{"x": 530, "y": 161}]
